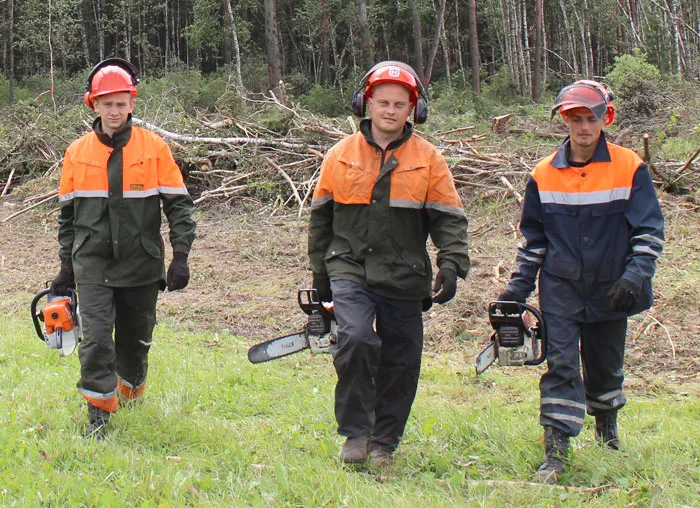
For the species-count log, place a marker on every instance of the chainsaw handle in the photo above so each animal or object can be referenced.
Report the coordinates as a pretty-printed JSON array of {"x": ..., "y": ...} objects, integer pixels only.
[{"x": 35, "y": 314}]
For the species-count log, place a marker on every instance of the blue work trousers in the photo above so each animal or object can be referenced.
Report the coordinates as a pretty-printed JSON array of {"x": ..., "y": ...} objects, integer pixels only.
[
  {"x": 565, "y": 394},
  {"x": 377, "y": 369}
]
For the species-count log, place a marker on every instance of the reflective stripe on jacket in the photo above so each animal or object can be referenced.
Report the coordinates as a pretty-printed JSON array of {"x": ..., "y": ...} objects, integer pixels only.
[
  {"x": 586, "y": 227},
  {"x": 110, "y": 194},
  {"x": 372, "y": 212}
]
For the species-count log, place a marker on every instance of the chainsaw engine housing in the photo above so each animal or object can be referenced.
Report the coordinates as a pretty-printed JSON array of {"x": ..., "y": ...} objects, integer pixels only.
[
  {"x": 518, "y": 338},
  {"x": 60, "y": 315}
]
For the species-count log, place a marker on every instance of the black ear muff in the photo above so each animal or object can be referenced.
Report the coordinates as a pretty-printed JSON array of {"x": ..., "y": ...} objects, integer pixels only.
[
  {"x": 420, "y": 115},
  {"x": 359, "y": 103}
]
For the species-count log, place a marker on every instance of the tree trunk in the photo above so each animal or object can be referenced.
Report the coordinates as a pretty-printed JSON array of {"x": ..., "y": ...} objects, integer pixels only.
[
  {"x": 325, "y": 52},
  {"x": 365, "y": 36},
  {"x": 418, "y": 63},
  {"x": 435, "y": 42},
  {"x": 11, "y": 49},
  {"x": 231, "y": 23},
  {"x": 226, "y": 22},
  {"x": 272, "y": 49},
  {"x": 474, "y": 58},
  {"x": 537, "y": 71}
]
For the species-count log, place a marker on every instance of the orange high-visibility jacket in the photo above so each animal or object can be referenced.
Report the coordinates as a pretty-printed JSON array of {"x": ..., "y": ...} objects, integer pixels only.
[
  {"x": 586, "y": 227},
  {"x": 110, "y": 195},
  {"x": 373, "y": 210}
]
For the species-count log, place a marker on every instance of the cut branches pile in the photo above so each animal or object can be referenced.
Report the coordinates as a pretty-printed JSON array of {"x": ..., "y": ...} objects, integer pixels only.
[{"x": 226, "y": 160}]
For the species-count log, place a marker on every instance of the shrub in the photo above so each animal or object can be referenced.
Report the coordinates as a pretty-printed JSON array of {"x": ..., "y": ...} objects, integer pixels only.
[
  {"x": 326, "y": 101},
  {"x": 637, "y": 85}
]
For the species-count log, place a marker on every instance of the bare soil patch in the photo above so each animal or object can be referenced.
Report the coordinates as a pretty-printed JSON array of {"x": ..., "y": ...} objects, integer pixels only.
[{"x": 249, "y": 260}]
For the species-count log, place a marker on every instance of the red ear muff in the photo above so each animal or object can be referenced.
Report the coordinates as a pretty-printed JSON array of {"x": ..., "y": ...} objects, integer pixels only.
[{"x": 88, "y": 101}]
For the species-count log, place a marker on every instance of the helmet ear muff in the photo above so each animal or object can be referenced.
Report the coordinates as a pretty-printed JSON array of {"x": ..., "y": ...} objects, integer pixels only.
[
  {"x": 119, "y": 62},
  {"x": 359, "y": 98}
]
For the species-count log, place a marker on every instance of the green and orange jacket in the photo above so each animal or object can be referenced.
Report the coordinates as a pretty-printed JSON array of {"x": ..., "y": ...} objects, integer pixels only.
[
  {"x": 373, "y": 210},
  {"x": 110, "y": 194}
]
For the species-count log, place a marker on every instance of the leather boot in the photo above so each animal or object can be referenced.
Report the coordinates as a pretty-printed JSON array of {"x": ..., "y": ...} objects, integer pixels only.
[
  {"x": 98, "y": 421},
  {"x": 606, "y": 430},
  {"x": 355, "y": 450},
  {"x": 556, "y": 447}
]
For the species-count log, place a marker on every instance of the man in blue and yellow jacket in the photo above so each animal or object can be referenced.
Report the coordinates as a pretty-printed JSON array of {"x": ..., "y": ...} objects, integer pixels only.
[
  {"x": 112, "y": 184},
  {"x": 381, "y": 192},
  {"x": 593, "y": 230}
]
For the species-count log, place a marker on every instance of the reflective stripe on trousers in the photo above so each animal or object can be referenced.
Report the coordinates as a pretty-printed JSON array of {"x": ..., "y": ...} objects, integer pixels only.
[
  {"x": 131, "y": 314},
  {"x": 566, "y": 395}
]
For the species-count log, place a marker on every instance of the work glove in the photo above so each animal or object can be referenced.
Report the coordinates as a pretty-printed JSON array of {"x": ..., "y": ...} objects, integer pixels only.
[
  {"x": 427, "y": 304},
  {"x": 624, "y": 295},
  {"x": 445, "y": 285},
  {"x": 322, "y": 285},
  {"x": 510, "y": 296},
  {"x": 178, "y": 272},
  {"x": 62, "y": 282}
]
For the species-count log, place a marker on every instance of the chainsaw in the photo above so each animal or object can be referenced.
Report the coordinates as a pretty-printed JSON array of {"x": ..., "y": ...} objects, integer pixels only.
[
  {"x": 519, "y": 337},
  {"x": 319, "y": 334},
  {"x": 61, "y": 318}
]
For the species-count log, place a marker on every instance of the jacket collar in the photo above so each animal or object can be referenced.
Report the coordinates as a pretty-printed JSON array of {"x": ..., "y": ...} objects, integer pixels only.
[
  {"x": 601, "y": 153},
  {"x": 119, "y": 139},
  {"x": 366, "y": 130}
]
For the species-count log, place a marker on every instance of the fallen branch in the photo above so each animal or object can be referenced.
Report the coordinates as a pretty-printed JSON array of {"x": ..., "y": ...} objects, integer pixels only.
[
  {"x": 512, "y": 190},
  {"x": 286, "y": 177},
  {"x": 9, "y": 180},
  {"x": 566, "y": 488},
  {"x": 52, "y": 196}
]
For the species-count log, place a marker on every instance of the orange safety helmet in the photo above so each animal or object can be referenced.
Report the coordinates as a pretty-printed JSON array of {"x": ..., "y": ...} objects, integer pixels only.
[
  {"x": 392, "y": 71},
  {"x": 589, "y": 94},
  {"x": 111, "y": 76}
]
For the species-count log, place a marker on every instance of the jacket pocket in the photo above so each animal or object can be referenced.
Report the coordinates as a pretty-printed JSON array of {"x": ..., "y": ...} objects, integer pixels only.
[
  {"x": 80, "y": 240},
  {"x": 337, "y": 248},
  {"x": 409, "y": 185},
  {"x": 151, "y": 247},
  {"x": 602, "y": 209}
]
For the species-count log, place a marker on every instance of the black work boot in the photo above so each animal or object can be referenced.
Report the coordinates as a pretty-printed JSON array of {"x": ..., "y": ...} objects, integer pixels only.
[
  {"x": 606, "y": 430},
  {"x": 556, "y": 447},
  {"x": 355, "y": 450},
  {"x": 98, "y": 421},
  {"x": 380, "y": 455}
]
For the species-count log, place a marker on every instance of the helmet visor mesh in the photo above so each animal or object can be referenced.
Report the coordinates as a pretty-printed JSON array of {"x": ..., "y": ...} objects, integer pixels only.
[{"x": 581, "y": 95}]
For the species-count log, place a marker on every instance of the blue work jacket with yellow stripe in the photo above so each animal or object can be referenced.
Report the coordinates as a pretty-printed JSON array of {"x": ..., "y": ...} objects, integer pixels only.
[{"x": 585, "y": 228}]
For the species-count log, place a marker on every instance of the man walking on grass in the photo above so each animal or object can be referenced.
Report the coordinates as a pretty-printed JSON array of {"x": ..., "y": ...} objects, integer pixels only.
[
  {"x": 113, "y": 182},
  {"x": 593, "y": 230},
  {"x": 381, "y": 193}
]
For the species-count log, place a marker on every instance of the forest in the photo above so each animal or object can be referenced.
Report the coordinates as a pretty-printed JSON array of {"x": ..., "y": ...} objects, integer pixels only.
[{"x": 525, "y": 46}]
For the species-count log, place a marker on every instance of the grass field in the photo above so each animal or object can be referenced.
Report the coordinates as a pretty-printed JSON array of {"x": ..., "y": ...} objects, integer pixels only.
[{"x": 214, "y": 430}]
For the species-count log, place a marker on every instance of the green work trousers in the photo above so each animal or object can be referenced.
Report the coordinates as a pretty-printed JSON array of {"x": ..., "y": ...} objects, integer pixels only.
[{"x": 129, "y": 313}]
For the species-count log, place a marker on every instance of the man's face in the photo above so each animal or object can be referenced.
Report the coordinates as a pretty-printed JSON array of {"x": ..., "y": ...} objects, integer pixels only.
[
  {"x": 114, "y": 109},
  {"x": 389, "y": 108},
  {"x": 584, "y": 127}
]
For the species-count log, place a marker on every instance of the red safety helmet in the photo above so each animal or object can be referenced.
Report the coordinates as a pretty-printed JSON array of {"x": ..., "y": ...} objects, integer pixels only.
[
  {"x": 393, "y": 74},
  {"x": 588, "y": 94},
  {"x": 111, "y": 76}
]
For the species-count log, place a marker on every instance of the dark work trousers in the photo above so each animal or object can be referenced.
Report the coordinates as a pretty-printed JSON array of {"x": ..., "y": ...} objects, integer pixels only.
[
  {"x": 377, "y": 370},
  {"x": 565, "y": 395},
  {"x": 131, "y": 313}
]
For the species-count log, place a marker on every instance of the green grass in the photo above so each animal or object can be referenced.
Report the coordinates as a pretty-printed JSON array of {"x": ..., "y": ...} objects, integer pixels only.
[{"x": 214, "y": 430}]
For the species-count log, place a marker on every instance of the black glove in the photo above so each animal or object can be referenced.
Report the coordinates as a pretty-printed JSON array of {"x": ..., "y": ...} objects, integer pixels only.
[
  {"x": 445, "y": 286},
  {"x": 624, "y": 295},
  {"x": 322, "y": 285},
  {"x": 178, "y": 272},
  {"x": 62, "y": 282},
  {"x": 509, "y": 296},
  {"x": 427, "y": 304}
]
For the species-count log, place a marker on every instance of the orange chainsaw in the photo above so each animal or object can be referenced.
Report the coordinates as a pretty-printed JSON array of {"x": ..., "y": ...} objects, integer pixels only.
[{"x": 61, "y": 318}]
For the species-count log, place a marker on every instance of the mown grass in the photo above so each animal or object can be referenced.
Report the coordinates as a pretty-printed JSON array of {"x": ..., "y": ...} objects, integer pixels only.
[{"x": 214, "y": 430}]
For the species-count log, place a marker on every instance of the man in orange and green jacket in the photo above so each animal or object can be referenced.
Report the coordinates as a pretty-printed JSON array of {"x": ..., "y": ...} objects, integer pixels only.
[
  {"x": 381, "y": 193},
  {"x": 113, "y": 182}
]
